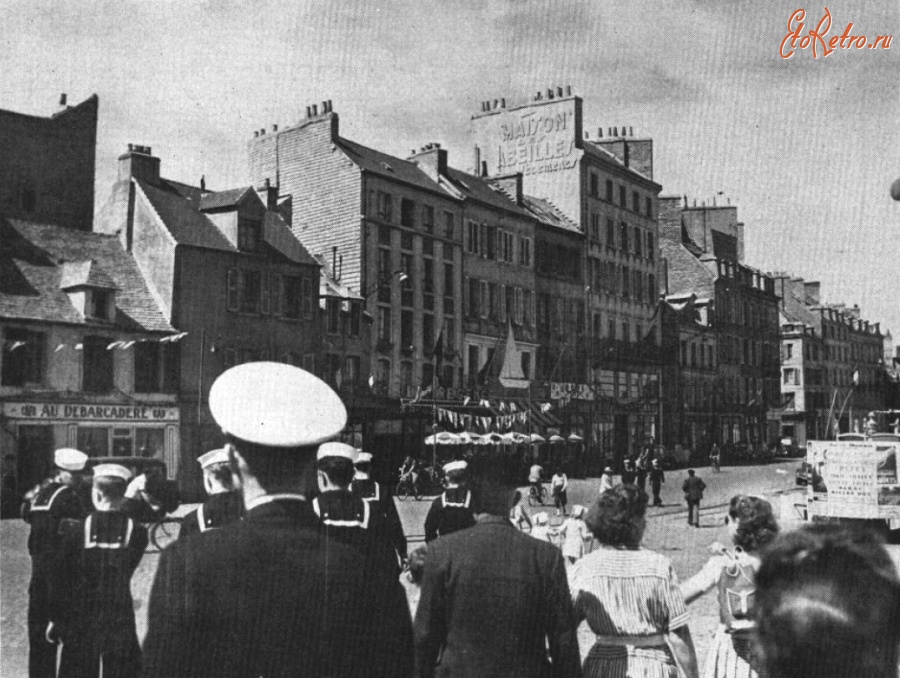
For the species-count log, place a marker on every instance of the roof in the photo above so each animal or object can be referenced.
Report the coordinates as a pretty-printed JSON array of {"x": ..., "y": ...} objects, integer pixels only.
[
  {"x": 602, "y": 154},
  {"x": 476, "y": 188},
  {"x": 223, "y": 199},
  {"x": 687, "y": 274},
  {"x": 86, "y": 273},
  {"x": 184, "y": 222},
  {"x": 34, "y": 259},
  {"x": 549, "y": 214},
  {"x": 382, "y": 164}
]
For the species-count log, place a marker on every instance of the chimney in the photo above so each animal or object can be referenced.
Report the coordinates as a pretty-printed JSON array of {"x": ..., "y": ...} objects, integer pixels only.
[
  {"x": 269, "y": 195},
  {"x": 432, "y": 159},
  {"x": 202, "y": 182},
  {"x": 477, "y": 158},
  {"x": 62, "y": 99},
  {"x": 511, "y": 184},
  {"x": 139, "y": 163},
  {"x": 812, "y": 292}
]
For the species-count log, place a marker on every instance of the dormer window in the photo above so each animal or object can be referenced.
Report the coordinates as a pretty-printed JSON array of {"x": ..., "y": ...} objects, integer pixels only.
[
  {"x": 91, "y": 291},
  {"x": 100, "y": 304},
  {"x": 248, "y": 234}
]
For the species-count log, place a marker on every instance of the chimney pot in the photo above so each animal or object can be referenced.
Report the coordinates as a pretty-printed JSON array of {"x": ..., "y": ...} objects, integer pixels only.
[
  {"x": 62, "y": 99},
  {"x": 631, "y": 131},
  {"x": 599, "y": 132},
  {"x": 538, "y": 96},
  {"x": 308, "y": 112},
  {"x": 502, "y": 103},
  {"x": 262, "y": 131},
  {"x": 315, "y": 109},
  {"x": 149, "y": 150},
  {"x": 324, "y": 107},
  {"x": 202, "y": 182},
  {"x": 559, "y": 92},
  {"x": 330, "y": 106},
  {"x": 274, "y": 128},
  {"x": 615, "y": 132},
  {"x": 130, "y": 147},
  {"x": 496, "y": 103},
  {"x": 255, "y": 133},
  {"x": 587, "y": 135},
  {"x": 609, "y": 131},
  {"x": 568, "y": 90},
  {"x": 549, "y": 92}
]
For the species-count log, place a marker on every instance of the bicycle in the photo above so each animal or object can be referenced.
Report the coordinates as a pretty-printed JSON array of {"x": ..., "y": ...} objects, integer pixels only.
[
  {"x": 164, "y": 532},
  {"x": 537, "y": 494},
  {"x": 408, "y": 486},
  {"x": 430, "y": 478},
  {"x": 715, "y": 464}
]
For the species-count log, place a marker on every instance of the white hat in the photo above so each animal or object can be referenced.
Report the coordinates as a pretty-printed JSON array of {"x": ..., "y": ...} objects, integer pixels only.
[
  {"x": 334, "y": 449},
  {"x": 363, "y": 457},
  {"x": 69, "y": 459},
  {"x": 219, "y": 456},
  {"x": 578, "y": 510},
  {"x": 112, "y": 471},
  {"x": 457, "y": 465},
  {"x": 276, "y": 405},
  {"x": 541, "y": 518}
]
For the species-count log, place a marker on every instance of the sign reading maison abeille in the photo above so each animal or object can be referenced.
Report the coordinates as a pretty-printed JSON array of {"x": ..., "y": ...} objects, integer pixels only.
[{"x": 91, "y": 412}]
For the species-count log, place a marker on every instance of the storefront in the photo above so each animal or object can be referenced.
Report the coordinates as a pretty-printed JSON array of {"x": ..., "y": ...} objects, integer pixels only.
[{"x": 34, "y": 429}]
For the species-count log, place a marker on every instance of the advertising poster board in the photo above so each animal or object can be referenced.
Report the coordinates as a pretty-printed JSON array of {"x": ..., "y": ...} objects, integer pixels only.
[{"x": 854, "y": 480}]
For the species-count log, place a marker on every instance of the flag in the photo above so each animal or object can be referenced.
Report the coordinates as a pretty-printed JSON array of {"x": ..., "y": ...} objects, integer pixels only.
[
  {"x": 15, "y": 345},
  {"x": 486, "y": 371},
  {"x": 439, "y": 357}
]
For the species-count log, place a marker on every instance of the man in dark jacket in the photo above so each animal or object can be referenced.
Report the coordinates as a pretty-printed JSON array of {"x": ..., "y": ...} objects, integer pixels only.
[
  {"x": 657, "y": 478},
  {"x": 46, "y": 507},
  {"x": 494, "y": 601},
  {"x": 224, "y": 504},
  {"x": 270, "y": 595},
  {"x": 452, "y": 510},
  {"x": 379, "y": 498},
  {"x": 693, "y": 492}
]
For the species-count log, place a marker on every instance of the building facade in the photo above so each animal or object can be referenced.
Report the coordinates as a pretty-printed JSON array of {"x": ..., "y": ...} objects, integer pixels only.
[{"x": 48, "y": 165}]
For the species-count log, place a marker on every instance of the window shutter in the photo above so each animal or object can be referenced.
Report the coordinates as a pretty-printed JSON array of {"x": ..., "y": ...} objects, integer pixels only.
[
  {"x": 484, "y": 299},
  {"x": 277, "y": 294},
  {"x": 264, "y": 294},
  {"x": 233, "y": 292},
  {"x": 501, "y": 303}
]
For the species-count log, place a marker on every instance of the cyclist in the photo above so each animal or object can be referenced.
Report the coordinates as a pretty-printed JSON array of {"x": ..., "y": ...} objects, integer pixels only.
[
  {"x": 409, "y": 472},
  {"x": 534, "y": 478},
  {"x": 715, "y": 457}
]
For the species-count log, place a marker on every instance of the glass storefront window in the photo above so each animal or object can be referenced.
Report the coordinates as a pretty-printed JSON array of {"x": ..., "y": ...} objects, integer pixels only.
[
  {"x": 150, "y": 442},
  {"x": 123, "y": 442},
  {"x": 94, "y": 440}
]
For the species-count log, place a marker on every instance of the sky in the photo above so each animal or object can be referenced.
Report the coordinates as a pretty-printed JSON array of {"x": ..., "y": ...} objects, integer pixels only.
[{"x": 805, "y": 147}]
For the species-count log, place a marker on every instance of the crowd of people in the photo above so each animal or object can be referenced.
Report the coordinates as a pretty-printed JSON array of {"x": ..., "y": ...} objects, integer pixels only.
[{"x": 291, "y": 568}]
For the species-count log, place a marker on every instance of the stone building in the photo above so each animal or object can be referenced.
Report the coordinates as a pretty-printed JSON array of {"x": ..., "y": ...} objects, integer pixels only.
[
  {"x": 90, "y": 360},
  {"x": 703, "y": 250},
  {"x": 226, "y": 270},
  {"x": 607, "y": 321},
  {"x": 832, "y": 364},
  {"x": 47, "y": 172}
]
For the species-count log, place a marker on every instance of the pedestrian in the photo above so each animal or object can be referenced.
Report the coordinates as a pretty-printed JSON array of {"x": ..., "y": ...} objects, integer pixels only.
[
  {"x": 732, "y": 572},
  {"x": 541, "y": 529},
  {"x": 642, "y": 468},
  {"x": 94, "y": 614},
  {"x": 657, "y": 478},
  {"x": 272, "y": 595},
  {"x": 558, "y": 486},
  {"x": 224, "y": 504},
  {"x": 828, "y": 605},
  {"x": 46, "y": 506},
  {"x": 628, "y": 473},
  {"x": 494, "y": 602},
  {"x": 606, "y": 480},
  {"x": 575, "y": 535},
  {"x": 150, "y": 497},
  {"x": 629, "y": 596},
  {"x": 452, "y": 510},
  {"x": 535, "y": 476},
  {"x": 518, "y": 516},
  {"x": 693, "y": 488},
  {"x": 715, "y": 457},
  {"x": 379, "y": 498}
]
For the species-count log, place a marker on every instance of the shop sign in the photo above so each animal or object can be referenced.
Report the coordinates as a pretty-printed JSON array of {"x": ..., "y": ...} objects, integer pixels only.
[{"x": 91, "y": 412}]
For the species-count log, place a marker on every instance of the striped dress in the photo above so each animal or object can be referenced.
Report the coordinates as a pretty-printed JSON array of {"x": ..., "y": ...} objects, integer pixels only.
[{"x": 628, "y": 592}]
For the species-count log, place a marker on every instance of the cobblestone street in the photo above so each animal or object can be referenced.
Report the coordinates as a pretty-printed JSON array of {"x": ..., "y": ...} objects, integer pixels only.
[{"x": 667, "y": 533}]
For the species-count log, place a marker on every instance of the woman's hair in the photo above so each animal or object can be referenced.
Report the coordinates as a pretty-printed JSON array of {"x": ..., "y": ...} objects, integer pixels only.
[
  {"x": 417, "y": 564},
  {"x": 111, "y": 488},
  {"x": 617, "y": 516},
  {"x": 339, "y": 470},
  {"x": 828, "y": 605},
  {"x": 756, "y": 524}
]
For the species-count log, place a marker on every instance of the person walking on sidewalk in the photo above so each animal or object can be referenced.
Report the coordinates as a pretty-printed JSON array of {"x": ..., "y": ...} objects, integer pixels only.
[
  {"x": 657, "y": 478},
  {"x": 693, "y": 487}
]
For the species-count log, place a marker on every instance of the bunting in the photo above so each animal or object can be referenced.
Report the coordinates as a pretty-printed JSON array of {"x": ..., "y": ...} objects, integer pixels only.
[
  {"x": 453, "y": 419},
  {"x": 9, "y": 347}
]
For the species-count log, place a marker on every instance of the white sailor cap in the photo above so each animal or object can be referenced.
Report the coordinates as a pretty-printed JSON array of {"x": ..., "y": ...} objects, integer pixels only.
[
  {"x": 69, "y": 459},
  {"x": 276, "y": 405},
  {"x": 457, "y": 465},
  {"x": 112, "y": 471},
  {"x": 219, "y": 456},
  {"x": 335, "y": 449},
  {"x": 363, "y": 457}
]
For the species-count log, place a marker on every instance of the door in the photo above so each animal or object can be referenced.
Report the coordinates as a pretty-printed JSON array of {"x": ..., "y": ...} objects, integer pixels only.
[{"x": 35, "y": 455}]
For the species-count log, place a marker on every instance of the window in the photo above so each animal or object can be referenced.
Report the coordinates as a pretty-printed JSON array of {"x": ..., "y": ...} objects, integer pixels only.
[
  {"x": 448, "y": 252},
  {"x": 525, "y": 251},
  {"x": 146, "y": 367},
  {"x": 306, "y": 302},
  {"x": 428, "y": 246},
  {"x": 509, "y": 302},
  {"x": 428, "y": 218},
  {"x": 635, "y": 202},
  {"x": 595, "y": 227},
  {"x": 611, "y": 329},
  {"x": 648, "y": 205},
  {"x": 484, "y": 306},
  {"x": 384, "y": 324},
  {"x": 595, "y": 185},
  {"x": 474, "y": 298},
  {"x": 384, "y": 234},
  {"x": 788, "y": 351},
  {"x": 251, "y": 292},
  {"x": 428, "y": 337},
  {"x": 506, "y": 247},
  {"x": 332, "y": 368},
  {"x": 29, "y": 201},
  {"x": 248, "y": 234},
  {"x": 623, "y": 196},
  {"x": 448, "y": 225},
  {"x": 517, "y": 319},
  {"x": 406, "y": 378},
  {"x": 351, "y": 370},
  {"x": 406, "y": 241},
  {"x": 97, "y": 365},
  {"x": 638, "y": 240},
  {"x": 101, "y": 304},
  {"x": 473, "y": 360},
  {"x": 448, "y": 280},
  {"x": 353, "y": 321},
  {"x": 609, "y": 190},
  {"x": 626, "y": 280},
  {"x": 472, "y": 238},
  {"x": 428, "y": 275},
  {"x": 407, "y": 212},
  {"x": 292, "y": 291},
  {"x": 639, "y": 285},
  {"x": 332, "y": 315},
  {"x": 490, "y": 244},
  {"x": 650, "y": 246},
  {"x": 23, "y": 357},
  {"x": 623, "y": 236},
  {"x": 610, "y": 233},
  {"x": 526, "y": 364},
  {"x": 406, "y": 329},
  {"x": 526, "y": 307},
  {"x": 383, "y": 372},
  {"x": 233, "y": 289},
  {"x": 385, "y": 208},
  {"x": 651, "y": 288},
  {"x": 493, "y": 301},
  {"x": 626, "y": 331}
]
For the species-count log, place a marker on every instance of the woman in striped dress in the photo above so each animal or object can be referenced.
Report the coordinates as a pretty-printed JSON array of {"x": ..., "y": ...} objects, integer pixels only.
[
  {"x": 733, "y": 572},
  {"x": 630, "y": 596}
]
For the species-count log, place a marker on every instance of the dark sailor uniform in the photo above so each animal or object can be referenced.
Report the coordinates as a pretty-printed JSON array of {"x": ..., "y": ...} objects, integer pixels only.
[
  {"x": 378, "y": 498},
  {"x": 217, "y": 511},
  {"x": 52, "y": 504},
  {"x": 450, "y": 512},
  {"x": 271, "y": 596},
  {"x": 93, "y": 607}
]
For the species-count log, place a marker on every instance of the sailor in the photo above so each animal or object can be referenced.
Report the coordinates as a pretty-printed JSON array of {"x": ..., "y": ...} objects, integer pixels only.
[
  {"x": 451, "y": 511},
  {"x": 45, "y": 507},
  {"x": 224, "y": 504},
  {"x": 271, "y": 595},
  {"x": 93, "y": 611},
  {"x": 379, "y": 498}
]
